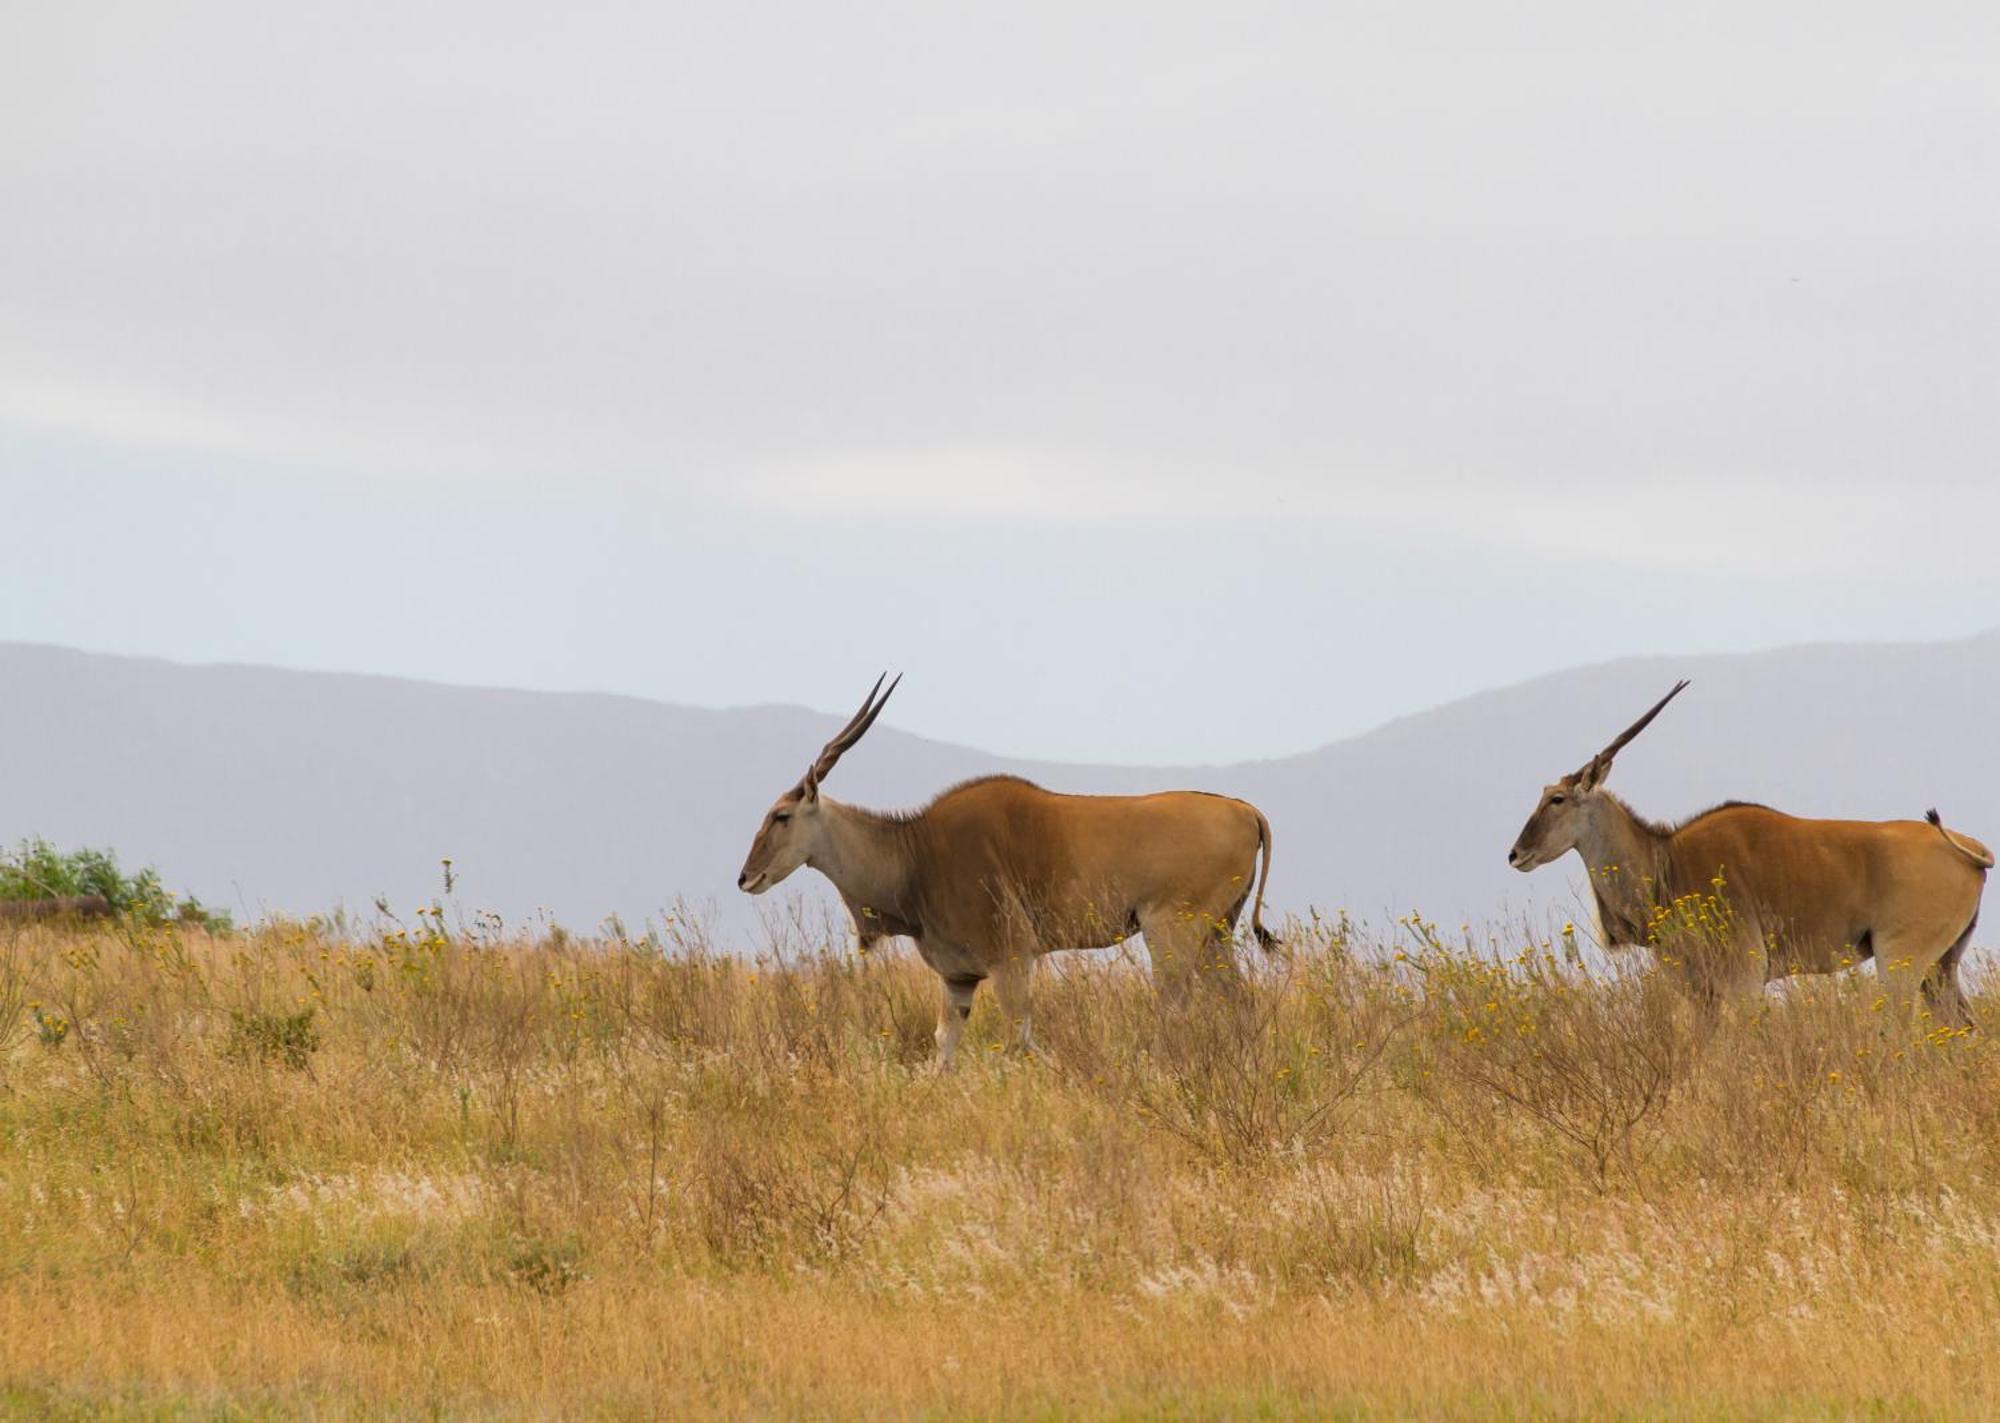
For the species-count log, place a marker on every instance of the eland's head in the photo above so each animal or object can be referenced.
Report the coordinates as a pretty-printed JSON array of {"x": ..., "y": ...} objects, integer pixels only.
[
  {"x": 1568, "y": 807},
  {"x": 793, "y": 827}
]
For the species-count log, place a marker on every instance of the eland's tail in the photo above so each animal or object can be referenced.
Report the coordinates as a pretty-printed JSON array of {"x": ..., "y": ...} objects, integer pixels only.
[
  {"x": 1973, "y": 851},
  {"x": 1266, "y": 940}
]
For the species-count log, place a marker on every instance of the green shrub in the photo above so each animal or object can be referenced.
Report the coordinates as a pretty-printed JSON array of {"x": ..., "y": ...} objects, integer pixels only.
[{"x": 37, "y": 870}]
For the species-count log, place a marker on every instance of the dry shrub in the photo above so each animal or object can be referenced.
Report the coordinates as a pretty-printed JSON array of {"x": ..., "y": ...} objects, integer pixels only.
[
  {"x": 1271, "y": 1070},
  {"x": 1592, "y": 1060}
]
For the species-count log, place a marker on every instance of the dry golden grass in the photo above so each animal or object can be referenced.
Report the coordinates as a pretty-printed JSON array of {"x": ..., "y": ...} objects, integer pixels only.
[{"x": 423, "y": 1172}]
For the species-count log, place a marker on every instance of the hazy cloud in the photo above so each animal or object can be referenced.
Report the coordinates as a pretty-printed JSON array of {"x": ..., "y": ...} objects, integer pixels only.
[{"x": 1643, "y": 290}]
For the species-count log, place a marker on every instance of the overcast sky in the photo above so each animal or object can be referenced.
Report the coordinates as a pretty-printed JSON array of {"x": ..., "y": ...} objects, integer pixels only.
[{"x": 1149, "y": 382}]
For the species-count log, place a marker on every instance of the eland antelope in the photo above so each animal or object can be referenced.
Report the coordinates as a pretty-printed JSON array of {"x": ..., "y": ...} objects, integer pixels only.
[
  {"x": 997, "y": 871},
  {"x": 1742, "y": 895}
]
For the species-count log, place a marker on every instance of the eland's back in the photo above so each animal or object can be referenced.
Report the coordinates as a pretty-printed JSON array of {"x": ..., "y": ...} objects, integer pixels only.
[
  {"x": 1090, "y": 869},
  {"x": 1823, "y": 891}
]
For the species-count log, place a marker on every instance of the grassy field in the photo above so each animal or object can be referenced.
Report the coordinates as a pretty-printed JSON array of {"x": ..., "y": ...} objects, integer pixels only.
[{"x": 431, "y": 1171}]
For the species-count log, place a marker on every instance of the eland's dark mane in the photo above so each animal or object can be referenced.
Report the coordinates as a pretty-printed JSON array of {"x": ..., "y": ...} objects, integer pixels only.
[
  {"x": 1662, "y": 829},
  {"x": 910, "y": 817},
  {"x": 972, "y": 781}
]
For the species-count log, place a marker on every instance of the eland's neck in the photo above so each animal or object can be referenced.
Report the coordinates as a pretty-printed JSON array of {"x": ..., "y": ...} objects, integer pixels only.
[
  {"x": 1626, "y": 859},
  {"x": 867, "y": 857}
]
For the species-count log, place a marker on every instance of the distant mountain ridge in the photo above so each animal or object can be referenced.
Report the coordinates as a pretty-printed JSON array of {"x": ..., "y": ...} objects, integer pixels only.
[{"x": 260, "y": 789}]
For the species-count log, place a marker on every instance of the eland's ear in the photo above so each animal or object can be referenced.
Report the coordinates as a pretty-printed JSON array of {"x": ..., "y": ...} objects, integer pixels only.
[
  {"x": 1594, "y": 773},
  {"x": 809, "y": 789}
]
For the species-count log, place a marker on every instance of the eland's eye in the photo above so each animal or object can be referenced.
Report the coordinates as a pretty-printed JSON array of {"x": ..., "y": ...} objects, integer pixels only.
[
  {"x": 780, "y": 817},
  {"x": 1557, "y": 799}
]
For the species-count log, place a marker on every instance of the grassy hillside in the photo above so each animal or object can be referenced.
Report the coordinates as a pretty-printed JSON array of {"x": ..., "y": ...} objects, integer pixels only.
[{"x": 419, "y": 1171}]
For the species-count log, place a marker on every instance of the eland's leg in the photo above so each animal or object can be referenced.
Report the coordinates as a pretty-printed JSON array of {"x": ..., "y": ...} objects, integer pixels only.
[
  {"x": 1191, "y": 949},
  {"x": 1010, "y": 986},
  {"x": 1175, "y": 951},
  {"x": 1707, "y": 999},
  {"x": 1218, "y": 963},
  {"x": 1945, "y": 999},
  {"x": 952, "y": 1015},
  {"x": 1942, "y": 992},
  {"x": 1203, "y": 949},
  {"x": 1900, "y": 970}
]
